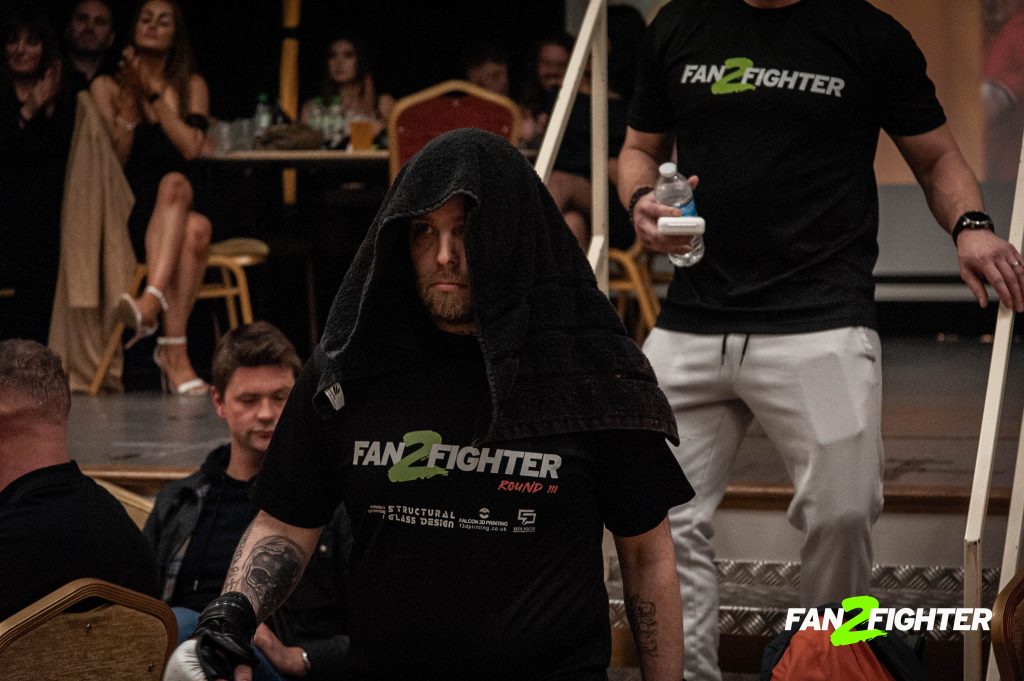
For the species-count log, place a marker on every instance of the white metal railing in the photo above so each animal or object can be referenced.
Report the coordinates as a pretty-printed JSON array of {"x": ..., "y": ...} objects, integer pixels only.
[
  {"x": 592, "y": 40},
  {"x": 982, "y": 483}
]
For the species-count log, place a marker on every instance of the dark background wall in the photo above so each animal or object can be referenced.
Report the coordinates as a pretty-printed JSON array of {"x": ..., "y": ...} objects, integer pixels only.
[{"x": 238, "y": 42}]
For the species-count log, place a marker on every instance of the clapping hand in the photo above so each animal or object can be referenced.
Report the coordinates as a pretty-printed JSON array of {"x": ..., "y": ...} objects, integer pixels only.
[{"x": 44, "y": 91}]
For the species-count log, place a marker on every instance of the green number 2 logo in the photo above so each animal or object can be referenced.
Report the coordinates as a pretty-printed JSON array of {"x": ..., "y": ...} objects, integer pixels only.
[
  {"x": 845, "y": 635},
  {"x": 729, "y": 83},
  {"x": 404, "y": 471}
]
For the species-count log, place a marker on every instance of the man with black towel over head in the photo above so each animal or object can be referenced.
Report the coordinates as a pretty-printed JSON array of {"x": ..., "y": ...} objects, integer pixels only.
[{"x": 476, "y": 404}]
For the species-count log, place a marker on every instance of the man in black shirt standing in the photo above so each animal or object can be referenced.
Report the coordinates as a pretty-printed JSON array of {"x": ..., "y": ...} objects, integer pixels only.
[
  {"x": 56, "y": 525},
  {"x": 478, "y": 407},
  {"x": 777, "y": 106}
]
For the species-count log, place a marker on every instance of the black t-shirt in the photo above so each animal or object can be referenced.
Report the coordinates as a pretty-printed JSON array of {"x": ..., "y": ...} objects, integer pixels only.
[
  {"x": 227, "y": 512},
  {"x": 470, "y": 560},
  {"x": 778, "y": 111},
  {"x": 56, "y": 526}
]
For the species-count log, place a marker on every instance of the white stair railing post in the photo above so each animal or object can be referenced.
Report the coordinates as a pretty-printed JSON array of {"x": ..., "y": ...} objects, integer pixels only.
[{"x": 982, "y": 483}]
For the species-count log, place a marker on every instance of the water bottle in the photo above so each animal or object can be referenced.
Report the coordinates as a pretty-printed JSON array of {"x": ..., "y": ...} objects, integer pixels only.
[
  {"x": 263, "y": 117},
  {"x": 672, "y": 189},
  {"x": 334, "y": 124}
]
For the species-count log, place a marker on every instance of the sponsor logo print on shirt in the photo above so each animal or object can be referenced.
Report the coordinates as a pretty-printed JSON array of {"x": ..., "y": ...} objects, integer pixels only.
[
  {"x": 527, "y": 519},
  {"x": 422, "y": 455},
  {"x": 738, "y": 74}
]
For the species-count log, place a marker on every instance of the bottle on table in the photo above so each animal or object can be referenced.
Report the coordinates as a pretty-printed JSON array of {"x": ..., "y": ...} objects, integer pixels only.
[
  {"x": 263, "y": 116},
  {"x": 334, "y": 124},
  {"x": 672, "y": 189}
]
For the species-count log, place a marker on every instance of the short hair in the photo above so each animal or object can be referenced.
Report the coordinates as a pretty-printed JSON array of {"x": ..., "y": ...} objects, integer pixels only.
[
  {"x": 109, "y": 4},
  {"x": 483, "y": 53},
  {"x": 32, "y": 374},
  {"x": 252, "y": 345},
  {"x": 561, "y": 38}
]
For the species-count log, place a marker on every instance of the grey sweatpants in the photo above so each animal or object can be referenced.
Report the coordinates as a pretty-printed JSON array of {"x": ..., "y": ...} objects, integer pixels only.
[{"x": 818, "y": 398}]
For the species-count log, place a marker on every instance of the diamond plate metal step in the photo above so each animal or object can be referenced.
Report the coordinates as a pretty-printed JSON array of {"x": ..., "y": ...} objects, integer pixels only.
[{"x": 754, "y": 595}]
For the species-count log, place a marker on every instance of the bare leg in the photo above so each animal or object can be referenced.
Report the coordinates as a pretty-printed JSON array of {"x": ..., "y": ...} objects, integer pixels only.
[
  {"x": 181, "y": 294},
  {"x": 572, "y": 196},
  {"x": 579, "y": 227},
  {"x": 164, "y": 237}
]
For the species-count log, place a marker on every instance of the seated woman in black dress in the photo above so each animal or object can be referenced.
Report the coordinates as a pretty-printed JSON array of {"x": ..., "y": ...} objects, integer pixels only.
[
  {"x": 157, "y": 108},
  {"x": 37, "y": 114}
]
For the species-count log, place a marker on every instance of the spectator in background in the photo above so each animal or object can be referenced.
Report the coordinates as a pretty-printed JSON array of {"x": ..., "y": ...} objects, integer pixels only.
[
  {"x": 569, "y": 183},
  {"x": 487, "y": 66},
  {"x": 545, "y": 74},
  {"x": 88, "y": 37},
  {"x": 56, "y": 525},
  {"x": 157, "y": 108},
  {"x": 198, "y": 521},
  {"x": 349, "y": 78},
  {"x": 37, "y": 115},
  {"x": 1002, "y": 92}
]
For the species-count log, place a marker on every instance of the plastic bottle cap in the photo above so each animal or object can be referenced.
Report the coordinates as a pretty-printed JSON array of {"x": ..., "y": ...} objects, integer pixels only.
[{"x": 667, "y": 169}]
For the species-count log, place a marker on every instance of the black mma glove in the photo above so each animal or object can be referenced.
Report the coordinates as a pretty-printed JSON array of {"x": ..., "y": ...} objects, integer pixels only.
[{"x": 222, "y": 641}]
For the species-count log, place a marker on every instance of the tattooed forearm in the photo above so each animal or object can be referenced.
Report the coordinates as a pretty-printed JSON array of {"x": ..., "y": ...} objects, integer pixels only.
[
  {"x": 270, "y": 570},
  {"x": 232, "y": 581},
  {"x": 642, "y": 623}
]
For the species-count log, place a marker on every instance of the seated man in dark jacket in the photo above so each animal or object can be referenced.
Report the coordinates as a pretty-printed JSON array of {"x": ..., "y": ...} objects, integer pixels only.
[
  {"x": 56, "y": 525},
  {"x": 198, "y": 521}
]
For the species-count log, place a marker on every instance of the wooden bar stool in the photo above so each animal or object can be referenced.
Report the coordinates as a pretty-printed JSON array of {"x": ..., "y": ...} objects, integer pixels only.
[
  {"x": 230, "y": 258},
  {"x": 632, "y": 278}
]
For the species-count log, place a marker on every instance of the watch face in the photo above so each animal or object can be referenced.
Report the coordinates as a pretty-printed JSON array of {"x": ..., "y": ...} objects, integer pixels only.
[{"x": 977, "y": 216}]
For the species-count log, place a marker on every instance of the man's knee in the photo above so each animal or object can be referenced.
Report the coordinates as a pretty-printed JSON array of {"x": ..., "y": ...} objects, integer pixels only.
[
  {"x": 842, "y": 520},
  {"x": 175, "y": 188}
]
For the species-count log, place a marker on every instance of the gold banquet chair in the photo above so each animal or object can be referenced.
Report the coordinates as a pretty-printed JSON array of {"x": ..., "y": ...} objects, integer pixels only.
[
  {"x": 1008, "y": 629},
  {"x": 127, "y": 636},
  {"x": 228, "y": 258},
  {"x": 424, "y": 115},
  {"x": 630, "y": 277}
]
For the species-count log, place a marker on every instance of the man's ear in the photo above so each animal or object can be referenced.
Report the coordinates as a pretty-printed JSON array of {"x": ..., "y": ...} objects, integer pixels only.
[{"x": 218, "y": 401}]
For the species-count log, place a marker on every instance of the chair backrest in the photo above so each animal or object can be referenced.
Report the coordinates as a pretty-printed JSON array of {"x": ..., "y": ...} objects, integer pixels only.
[
  {"x": 1008, "y": 629},
  {"x": 126, "y": 636},
  {"x": 423, "y": 115},
  {"x": 138, "y": 506}
]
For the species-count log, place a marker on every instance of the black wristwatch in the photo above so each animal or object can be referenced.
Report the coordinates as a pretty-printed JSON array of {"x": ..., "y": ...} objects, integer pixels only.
[{"x": 974, "y": 219}]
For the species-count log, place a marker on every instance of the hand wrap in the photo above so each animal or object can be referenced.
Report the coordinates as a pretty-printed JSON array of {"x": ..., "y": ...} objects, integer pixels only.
[{"x": 224, "y": 635}]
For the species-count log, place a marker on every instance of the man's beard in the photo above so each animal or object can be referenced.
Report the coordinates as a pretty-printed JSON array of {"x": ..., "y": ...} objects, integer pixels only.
[{"x": 449, "y": 307}]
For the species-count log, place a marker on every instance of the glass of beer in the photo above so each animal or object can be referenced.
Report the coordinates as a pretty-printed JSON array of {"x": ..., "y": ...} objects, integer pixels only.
[{"x": 361, "y": 130}]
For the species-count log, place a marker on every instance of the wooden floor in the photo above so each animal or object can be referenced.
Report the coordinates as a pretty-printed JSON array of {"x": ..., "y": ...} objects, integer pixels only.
[{"x": 933, "y": 397}]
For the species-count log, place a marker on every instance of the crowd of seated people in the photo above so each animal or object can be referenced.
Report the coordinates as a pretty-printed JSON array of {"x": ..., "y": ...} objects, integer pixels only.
[
  {"x": 156, "y": 106},
  {"x": 53, "y": 515}
]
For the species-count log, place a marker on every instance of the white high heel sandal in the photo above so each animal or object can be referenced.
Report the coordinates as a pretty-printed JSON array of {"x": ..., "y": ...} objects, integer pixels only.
[
  {"x": 193, "y": 388},
  {"x": 128, "y": 313}
]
